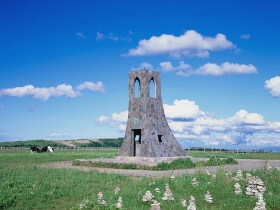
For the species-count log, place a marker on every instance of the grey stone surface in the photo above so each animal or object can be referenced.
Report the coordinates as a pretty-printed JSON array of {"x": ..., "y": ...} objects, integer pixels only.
[
  {"x": 208, "y": 197},
  {"x": 255, "y": 186},
  {"x": 237, "y": 189},
  {"x": 147, "y": 131}
]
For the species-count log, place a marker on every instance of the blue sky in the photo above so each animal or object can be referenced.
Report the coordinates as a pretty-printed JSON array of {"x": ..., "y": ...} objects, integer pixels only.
[{"x": 64, "y": 68}]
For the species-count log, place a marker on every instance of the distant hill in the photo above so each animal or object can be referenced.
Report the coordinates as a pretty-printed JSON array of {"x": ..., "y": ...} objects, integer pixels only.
[
  {"x": 109, "y": 142},
  {"x": 30, "y": 143}
]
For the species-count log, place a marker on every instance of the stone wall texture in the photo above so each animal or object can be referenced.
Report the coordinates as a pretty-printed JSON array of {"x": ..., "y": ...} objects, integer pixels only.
[{"x": 146, "y": 116}]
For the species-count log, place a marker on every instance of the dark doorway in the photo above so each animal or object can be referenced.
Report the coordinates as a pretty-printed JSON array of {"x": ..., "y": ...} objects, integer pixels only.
[
  {"x": 136, "y": 135},
  {"x": 159, "y": 138}
]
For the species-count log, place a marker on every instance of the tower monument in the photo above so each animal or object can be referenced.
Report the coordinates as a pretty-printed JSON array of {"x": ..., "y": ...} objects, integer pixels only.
[{"x": 147, "y": 132}]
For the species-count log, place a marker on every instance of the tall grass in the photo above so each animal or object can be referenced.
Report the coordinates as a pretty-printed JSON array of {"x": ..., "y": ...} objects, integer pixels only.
[
  {"x": 30, "y": 187},
  {"x": 40, "y": 188},
  {"x": 25, "y": 157}
]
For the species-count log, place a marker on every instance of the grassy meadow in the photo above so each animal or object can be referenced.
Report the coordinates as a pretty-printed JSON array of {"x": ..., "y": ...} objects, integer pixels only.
[{"x": 24, "y": 185}]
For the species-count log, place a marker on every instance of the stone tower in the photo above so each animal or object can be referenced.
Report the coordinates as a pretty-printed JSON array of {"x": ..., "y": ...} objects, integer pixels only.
[{"x": 147, "y": 132}]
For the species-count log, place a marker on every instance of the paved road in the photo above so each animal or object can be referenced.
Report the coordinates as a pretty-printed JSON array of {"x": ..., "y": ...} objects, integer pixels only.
[{"x": 243, "y": 164}]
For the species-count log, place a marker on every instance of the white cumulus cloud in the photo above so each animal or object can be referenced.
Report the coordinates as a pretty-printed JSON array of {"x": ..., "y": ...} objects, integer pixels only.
[
  {"x": 44, "y": 93},
  {"x": 225, "y": 68},
  {"x": 273, "y": 86},
  {"x": 41, "y": 93},
  {"x": 182, "y": 109},
  {"x": 96, "y": 87},
  {"x": 187, "y": 121},
  {"x": 183, "y": 66},
  {"x": 191, "y": 43},
  {"x": 115, "y": 120},
  {"x": 243, "y": 117},
  {"x": 166, "y": 66}
]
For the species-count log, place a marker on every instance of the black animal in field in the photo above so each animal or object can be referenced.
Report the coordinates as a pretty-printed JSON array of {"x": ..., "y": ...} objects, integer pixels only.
[
  {"x": 43, "y": 149},
  {"x": 47, "y": 149},
  {"x": 35, "y": 149}
]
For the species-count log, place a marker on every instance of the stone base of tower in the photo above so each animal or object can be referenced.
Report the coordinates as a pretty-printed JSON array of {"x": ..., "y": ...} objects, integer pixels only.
[{"x": 143, "y": 151}]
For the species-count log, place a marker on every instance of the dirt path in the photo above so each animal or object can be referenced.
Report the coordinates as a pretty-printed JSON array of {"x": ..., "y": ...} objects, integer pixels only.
[{"x": 243, "y": 164}]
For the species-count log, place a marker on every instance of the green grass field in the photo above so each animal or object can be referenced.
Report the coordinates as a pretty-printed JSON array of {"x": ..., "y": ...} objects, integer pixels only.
[
  {"x": 263, "y": 156},
  {"x": 24, "y": 185}
]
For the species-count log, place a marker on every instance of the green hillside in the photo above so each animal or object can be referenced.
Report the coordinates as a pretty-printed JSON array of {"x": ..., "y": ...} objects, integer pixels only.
[
  {"x": 111, "y": 142},
  {"x": 30, "y": 143},
  {"x": 108, "y": 142}
]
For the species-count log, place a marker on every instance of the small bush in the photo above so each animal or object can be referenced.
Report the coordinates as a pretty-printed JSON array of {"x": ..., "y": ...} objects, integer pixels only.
[
  {"x": 162, "y": 166},
  {"x": 230, "y": 160},
  {"x": 216, "y": 161},
  {"x": 180, "y": 163}
]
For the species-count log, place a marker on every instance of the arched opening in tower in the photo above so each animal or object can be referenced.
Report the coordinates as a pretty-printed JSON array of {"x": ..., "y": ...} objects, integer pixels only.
[
  {"x": 152, "y": 90},
  {"x": 137, "y": 88}
]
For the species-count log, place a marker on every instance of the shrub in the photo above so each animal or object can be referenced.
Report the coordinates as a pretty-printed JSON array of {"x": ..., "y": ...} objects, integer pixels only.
[
  {"x": 215, "y": 161},
  {"x": 180, "y": 163},
  {"x": 162, "y": 166}
]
